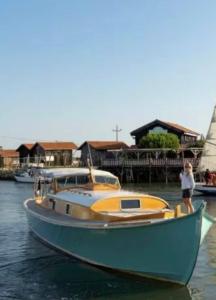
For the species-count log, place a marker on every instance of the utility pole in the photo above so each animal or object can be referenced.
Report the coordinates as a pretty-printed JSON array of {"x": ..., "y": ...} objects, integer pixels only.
[{"x": 117, "y": 130}]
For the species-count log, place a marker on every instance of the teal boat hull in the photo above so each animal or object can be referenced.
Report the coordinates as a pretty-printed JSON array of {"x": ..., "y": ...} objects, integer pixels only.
[{"x": 165, "y": 251}]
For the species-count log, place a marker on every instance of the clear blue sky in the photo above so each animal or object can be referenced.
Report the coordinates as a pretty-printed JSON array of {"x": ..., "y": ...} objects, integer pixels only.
[{"x": 72, "y": 70}]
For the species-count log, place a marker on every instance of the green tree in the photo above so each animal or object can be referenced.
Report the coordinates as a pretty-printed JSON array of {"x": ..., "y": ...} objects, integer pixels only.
[
  {"x": 160, "y": 140},
  {"x": 198, "y": 144}
]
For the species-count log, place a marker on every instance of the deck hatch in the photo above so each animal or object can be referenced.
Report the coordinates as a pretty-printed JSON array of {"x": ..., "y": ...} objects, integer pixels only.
[{"x": 130, "y": 204}]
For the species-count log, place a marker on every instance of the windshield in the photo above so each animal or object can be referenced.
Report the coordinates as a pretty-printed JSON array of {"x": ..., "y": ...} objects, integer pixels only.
[
  {"x": 73, "y": 180},
  {"x": 106, "y": 179},
  {"x": 65, "y": 182}
]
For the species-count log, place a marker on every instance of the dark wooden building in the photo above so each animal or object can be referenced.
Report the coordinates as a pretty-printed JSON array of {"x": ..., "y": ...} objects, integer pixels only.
[
  {"x": 186, "y": 136},
  {"x": 24, "y": 151},
  {"x": 53, "y": 153},
  {"x": 99, "y": 150}
]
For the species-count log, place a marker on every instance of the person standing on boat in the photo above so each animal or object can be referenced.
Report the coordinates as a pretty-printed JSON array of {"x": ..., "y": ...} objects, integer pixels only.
[{"x": 187, "y": 186}]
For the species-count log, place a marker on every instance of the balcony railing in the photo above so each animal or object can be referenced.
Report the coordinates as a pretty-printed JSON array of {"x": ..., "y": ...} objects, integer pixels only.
[{"x": 169, "y": 162}]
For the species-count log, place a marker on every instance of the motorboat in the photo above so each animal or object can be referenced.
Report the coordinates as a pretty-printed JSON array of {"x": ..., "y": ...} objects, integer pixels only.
[
  {"x": 27, "y": 175},
  {"x": 86, "y": 214},
  {"x": 30, "y": 175}
]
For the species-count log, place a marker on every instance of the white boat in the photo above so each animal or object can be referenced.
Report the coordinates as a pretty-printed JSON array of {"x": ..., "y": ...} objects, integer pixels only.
[
  {"x": 84, "y": 213},
  {"x": 30, "y": 175},
  {"x": 24, "y": 178},
  {"x": 208, "y": 158}
]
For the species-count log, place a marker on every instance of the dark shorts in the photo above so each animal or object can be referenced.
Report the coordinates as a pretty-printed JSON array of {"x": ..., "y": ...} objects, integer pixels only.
[{"x": 187, "y": 193}]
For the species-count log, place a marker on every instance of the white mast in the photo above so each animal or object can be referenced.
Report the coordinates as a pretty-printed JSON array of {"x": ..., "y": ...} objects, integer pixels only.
[{"x": 208, "y": 158}]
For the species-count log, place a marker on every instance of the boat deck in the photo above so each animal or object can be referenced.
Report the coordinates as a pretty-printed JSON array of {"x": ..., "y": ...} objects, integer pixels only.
[{"x": 59, "y": 219}]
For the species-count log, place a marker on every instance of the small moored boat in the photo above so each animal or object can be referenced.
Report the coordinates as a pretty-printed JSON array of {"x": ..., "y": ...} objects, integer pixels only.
[
  {"x": 206, "y": 189},
  {"x": 30, "y": 175},
  {"x": 85, "y": 213}
]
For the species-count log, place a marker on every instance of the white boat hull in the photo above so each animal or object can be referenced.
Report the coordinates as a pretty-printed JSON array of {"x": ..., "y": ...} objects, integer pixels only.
[{"x": 24, "y": 179}]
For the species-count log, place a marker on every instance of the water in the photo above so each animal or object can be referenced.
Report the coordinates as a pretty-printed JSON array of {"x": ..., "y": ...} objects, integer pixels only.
[{"x": 31, "y": 270}]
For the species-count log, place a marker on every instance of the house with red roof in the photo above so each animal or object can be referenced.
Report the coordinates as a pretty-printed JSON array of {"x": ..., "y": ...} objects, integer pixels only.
[
  {"x": 99, "y": 150},
  {"x": 53, "y": 153},
  {"x": 185, "y": 135},
  {"x": 9, "y": 158},
  {"x": 56, "y": 153}
]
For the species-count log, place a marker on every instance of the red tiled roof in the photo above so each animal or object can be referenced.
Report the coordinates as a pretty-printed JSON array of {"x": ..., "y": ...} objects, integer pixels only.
[
  {"x": 9, "y": 153},
  {"x": 105, "y": 145},
  {"x": 57, "y": 145},
  {"x": 182, "y": 128}
]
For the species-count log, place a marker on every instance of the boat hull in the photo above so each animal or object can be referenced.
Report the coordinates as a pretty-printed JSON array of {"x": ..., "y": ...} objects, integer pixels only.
[
  {"x": 164, "y": 251},
  {"x": 24, "y": 179},
  {"x": 205, "y": 189}
]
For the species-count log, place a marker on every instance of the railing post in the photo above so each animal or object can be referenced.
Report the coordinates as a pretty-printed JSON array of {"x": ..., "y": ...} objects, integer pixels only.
[
  {"x": 150, "y": 179},
  {"x": 166, "y": 170}
]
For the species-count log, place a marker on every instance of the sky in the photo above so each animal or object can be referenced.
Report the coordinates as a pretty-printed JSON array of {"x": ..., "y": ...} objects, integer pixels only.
[{"x": 71, "y": 70}]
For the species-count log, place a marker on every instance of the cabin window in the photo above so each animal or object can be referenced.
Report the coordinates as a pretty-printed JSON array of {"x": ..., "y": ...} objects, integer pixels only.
[
  {"x": 65, "y": 182},
  {"x": 106, "y": 179},
  {"x": 71, "y": 180},
  {"x": 61, "y": 182},
  {"x": 130, "y": 204},
  {"x": 53, "y": 203},
  {"x": 82, "y": 179},
  {"x": 67, "y": 209}
]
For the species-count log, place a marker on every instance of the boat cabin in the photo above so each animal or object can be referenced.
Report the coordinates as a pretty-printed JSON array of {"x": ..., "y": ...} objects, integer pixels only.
[{"x": 96, "y": 196}]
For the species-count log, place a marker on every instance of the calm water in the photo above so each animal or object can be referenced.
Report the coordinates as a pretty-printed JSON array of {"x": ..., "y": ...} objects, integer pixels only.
[{"x": 30, "y": 270}]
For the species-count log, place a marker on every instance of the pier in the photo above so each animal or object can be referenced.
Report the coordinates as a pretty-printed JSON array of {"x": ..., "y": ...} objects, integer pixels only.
[
  {"x": 130, "y": 165},
  {"x": 148, "y": 165}
]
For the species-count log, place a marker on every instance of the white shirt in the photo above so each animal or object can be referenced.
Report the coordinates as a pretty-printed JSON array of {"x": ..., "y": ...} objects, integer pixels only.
[{"x": 187, "y": 181}]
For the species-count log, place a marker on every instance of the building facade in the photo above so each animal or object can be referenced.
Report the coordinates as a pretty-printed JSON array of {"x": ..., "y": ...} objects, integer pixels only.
[
  {"x": 97, "y": 151},
  {"x": 47, "y": 153},
  {"x": 9, "y": 158},
  {"x": 24, "y": 151},
  {"x": 186, "y": 136},
  {"x": 53, "y": 153}
]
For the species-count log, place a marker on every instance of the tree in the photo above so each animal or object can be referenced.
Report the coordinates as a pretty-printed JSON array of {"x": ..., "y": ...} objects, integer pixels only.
[
  {"x": 198, "y": 144},
  {"x": 160, "y": 140}
]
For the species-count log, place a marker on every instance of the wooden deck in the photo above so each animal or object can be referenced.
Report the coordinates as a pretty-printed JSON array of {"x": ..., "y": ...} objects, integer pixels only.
[{"x": 166, "y": 162}]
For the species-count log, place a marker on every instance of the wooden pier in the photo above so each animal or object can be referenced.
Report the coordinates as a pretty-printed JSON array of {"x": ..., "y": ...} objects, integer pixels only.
[{"x": 148, "y": 165}]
